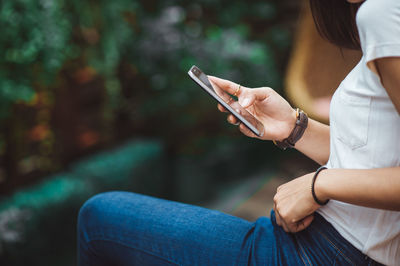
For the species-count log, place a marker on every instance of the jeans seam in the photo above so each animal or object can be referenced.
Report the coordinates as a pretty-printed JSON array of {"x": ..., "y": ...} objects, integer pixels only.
[
  {"x": 304, "y": 253},
  {"x": 337, "y": 249},
  {"x": 136, "y": 248},
  {"x": 335, "y": 259}
]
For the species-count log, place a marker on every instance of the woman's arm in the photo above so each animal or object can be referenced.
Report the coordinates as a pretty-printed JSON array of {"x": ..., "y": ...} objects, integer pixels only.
[
  {"x": 315, "y": 142},
  {"x": 375, "y": 188}
]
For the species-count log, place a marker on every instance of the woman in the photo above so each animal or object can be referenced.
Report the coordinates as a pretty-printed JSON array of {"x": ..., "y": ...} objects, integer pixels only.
[{"x": 360, "y": 224}]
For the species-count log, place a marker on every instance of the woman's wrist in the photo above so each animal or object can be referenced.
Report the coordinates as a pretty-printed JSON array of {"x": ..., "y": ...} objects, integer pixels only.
[
  {"x": 320, "y": 186},
  {"x": 296, "y": 129},
  {"x": 292, "y": 123}
]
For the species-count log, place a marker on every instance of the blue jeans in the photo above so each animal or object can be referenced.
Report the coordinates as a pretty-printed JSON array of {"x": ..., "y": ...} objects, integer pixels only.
[{"x": 121, "y": 228}]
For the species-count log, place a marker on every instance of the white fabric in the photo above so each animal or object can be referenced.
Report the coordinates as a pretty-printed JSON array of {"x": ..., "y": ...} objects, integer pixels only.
[{"x": 365, "y": 133}]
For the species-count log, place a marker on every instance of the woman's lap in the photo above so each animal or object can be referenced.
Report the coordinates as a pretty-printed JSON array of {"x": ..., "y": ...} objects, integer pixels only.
[
  {"x": 121, "y": 228},
  {"x": 172, "y": 232}
]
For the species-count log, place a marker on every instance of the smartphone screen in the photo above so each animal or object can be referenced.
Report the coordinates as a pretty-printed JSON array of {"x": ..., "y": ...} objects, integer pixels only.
[{"x": 227, "y": 101}]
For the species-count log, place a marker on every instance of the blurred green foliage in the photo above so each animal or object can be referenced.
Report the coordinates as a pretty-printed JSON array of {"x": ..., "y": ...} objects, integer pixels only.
[
  {"x": 34, "y": 45},
  {"x": 38, "y": 37},
  {"x": 77, "y": 76}
]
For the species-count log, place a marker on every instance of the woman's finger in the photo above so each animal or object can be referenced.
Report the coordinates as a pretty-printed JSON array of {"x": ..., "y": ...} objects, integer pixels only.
[
  {"x": 277, "y": 216},
  {"x": 247, "y": 131},
  {"x": 284, "y": 225},
  {"x": 249, "y": 96},
  {"x": 233, "y": 120},
  {"x": 226, "y": 85},
  {"x": 280, "y": 221},
  {"x": 303, "y": 224},
  {"x": 246, "y": 100},
  {"x": 221, "y": 108}
]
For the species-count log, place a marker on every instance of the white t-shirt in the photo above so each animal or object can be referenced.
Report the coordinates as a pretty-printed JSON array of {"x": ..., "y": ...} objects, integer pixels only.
[{"x": 365, "y": 133}]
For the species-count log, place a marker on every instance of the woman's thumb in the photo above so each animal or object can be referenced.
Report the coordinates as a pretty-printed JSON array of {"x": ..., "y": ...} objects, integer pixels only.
[
  {"x": 251, "y": 95},
  {"x": 246, "y": 100},
  {"x": 303, "y": 224}
]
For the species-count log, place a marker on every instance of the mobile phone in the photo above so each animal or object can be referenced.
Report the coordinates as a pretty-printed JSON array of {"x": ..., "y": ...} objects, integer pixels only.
[{"x": 226, "y": 101}]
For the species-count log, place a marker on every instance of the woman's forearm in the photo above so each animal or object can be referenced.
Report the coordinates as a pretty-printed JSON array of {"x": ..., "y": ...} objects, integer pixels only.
[
  {"x": 315, "y": 142},
  {"x": 375, "y": 188}
]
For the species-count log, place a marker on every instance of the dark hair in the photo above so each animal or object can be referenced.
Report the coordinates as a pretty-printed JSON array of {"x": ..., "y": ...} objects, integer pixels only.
[{"x": 336, "y": 22}]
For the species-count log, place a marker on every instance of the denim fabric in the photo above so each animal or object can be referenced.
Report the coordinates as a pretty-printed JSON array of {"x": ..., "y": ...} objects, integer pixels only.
[{"x": 121, "y": 228}]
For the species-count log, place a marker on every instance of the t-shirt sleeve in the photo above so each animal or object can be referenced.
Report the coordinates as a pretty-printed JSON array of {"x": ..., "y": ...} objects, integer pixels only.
[{"x": 378, "y": 23}]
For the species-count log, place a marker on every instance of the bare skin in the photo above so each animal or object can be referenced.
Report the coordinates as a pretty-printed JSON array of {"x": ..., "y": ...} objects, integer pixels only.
[
  {"x": 278, "y": 118},
  {"x": 355, "y": 1},
  {"x": 293, "y": 202}
]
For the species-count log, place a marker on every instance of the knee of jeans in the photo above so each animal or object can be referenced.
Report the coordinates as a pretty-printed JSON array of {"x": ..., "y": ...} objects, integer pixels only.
[{"x": 94, "y": 210}]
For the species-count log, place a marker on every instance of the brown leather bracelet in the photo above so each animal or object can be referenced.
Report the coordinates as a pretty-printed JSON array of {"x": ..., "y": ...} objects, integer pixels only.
[{"x": 297, "y": 132}]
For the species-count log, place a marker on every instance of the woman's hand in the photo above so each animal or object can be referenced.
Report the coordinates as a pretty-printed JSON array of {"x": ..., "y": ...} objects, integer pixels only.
[
  {"x": 272, "y": 110},
  {"x": 294, "y": 205}
]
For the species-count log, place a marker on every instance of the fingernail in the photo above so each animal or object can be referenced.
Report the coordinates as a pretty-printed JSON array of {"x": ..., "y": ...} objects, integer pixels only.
[{"x": 245, "y": 102}]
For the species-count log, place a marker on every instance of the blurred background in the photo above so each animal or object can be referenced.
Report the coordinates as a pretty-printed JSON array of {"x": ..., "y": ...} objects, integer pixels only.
[{"x": 95, "y": 96}]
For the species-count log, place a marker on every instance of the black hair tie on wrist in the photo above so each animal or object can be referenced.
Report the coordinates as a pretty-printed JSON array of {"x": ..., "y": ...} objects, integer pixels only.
[{"x": 313, "y": 184}]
